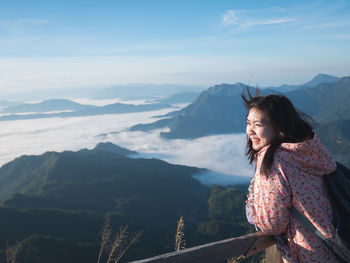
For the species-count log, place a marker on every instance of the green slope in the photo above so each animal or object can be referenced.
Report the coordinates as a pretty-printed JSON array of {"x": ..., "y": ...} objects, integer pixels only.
[{"x": 59, "y": 216}]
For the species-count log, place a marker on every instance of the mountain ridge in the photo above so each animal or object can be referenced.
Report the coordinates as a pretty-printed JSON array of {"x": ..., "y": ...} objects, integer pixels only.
[
  {"x": 46, "y": 106},
  {"x": 116, "y": 108},
  {"x": 220, "y": 109},
  {"x": 318, "y": 79}
]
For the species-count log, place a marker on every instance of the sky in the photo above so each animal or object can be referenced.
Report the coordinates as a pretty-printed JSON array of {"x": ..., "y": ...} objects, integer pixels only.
[{"x": 69, "y": 44}]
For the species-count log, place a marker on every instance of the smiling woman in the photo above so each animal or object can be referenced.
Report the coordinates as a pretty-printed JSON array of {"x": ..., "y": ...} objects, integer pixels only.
[
  {"x": 258, "y": 129},
  {"x": 290, "y": 164},
  {"x": 271, "y": 121}
]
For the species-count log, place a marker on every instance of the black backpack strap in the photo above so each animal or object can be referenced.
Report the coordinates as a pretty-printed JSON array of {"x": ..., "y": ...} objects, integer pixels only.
[{"x": 306, "y": 222}]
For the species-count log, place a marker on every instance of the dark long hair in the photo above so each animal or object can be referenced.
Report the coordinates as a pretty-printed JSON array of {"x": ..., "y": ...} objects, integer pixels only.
[{"x": 290, "y": 124}]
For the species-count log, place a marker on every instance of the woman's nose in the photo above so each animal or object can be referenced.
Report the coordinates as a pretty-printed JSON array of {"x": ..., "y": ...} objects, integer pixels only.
[{"x": 250, "y": 130}]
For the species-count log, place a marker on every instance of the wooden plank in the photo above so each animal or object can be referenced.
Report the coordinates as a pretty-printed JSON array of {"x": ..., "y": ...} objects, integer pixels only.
[
  {"x": 272, "y": 255},
  {"x": 217, "y": 251}
]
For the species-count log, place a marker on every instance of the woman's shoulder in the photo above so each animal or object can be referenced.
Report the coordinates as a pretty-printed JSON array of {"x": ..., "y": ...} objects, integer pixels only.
[{"x": 310, "y": 156}]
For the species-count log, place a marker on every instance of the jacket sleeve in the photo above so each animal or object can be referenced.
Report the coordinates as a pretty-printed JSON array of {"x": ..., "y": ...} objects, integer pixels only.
[{"x": 272, "y": 200}]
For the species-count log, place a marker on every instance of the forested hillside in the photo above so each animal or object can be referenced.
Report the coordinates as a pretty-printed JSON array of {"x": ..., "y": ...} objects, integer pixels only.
[{"x": 55, "y": 204}]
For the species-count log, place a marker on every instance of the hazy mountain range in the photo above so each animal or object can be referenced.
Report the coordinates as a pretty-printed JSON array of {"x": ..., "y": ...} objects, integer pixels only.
[
  {"x": 145, "y": 91},
  {"x": 318, "y": 79},
  {"x": 46, "y": 106},
  {"x": 220, "y": 110},
  {"x": 121, "y": 91},
  {"x": 66, "y": 108},
  {"x": 184, "y": 97},
  {"x": 6, "y": 103}
]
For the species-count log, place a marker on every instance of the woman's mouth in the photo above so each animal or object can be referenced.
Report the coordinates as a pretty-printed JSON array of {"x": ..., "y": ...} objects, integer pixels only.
[{"x": 255, "y": 141}]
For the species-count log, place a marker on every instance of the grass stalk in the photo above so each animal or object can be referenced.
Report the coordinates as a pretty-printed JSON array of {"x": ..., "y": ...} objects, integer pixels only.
[{"x": 179, "y": 236}]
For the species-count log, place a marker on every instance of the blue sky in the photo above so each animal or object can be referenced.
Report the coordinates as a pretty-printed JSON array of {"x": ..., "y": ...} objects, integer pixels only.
[{"x": 61, "y": 44}]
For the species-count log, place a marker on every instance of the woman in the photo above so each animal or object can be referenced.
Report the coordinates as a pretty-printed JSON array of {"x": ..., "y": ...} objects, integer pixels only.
[{"x": 290, "y": 163}]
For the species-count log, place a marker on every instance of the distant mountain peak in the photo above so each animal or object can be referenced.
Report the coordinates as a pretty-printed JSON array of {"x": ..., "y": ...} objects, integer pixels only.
[
  {"x": 323, "y": 75},
  {"x": 112, "y": 148},
  {"x": 315, "y": 81},
  {"x": 236, "y": 85},
  {"x": 321, "y": 78},
  {"x": 225, "y": 89}
]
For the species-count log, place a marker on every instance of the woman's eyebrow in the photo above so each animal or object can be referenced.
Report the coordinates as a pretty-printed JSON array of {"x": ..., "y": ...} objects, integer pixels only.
[{"x": 262, "y": 120}]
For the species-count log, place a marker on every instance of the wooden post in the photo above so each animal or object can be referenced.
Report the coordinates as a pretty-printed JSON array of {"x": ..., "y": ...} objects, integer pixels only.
[
  {"x": 217, "y": 251},
  {"x": 272, "y": 255}
]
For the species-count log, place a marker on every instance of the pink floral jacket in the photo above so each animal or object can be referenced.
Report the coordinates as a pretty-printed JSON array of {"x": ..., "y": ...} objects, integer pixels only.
[{"x": 296, "y": 178}]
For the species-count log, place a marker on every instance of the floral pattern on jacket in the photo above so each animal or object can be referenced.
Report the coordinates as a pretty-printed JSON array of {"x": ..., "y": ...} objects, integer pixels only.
[{"x": 296, "y": 178}]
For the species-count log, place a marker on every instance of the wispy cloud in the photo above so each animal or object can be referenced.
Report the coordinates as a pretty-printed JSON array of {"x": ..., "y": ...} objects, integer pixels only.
[
  {"x": 263, "y": 22},
  {"x": 278, "y": 9},
  {"x": 229, "y": 18}
]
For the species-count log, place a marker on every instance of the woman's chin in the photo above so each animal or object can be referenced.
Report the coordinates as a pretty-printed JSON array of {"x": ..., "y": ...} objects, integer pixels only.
[{"x": 257, "y": 147}]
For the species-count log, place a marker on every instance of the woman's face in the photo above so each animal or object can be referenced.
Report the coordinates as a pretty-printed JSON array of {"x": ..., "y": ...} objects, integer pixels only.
[{"x": 258, "y": 129}]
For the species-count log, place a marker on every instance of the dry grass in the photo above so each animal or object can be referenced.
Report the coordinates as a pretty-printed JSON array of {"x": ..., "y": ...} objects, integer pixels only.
[
  {"x": 105, "y": 235},
  {"x": 179, "y": 236},
  {"x": 12, "y": 252},
  {"x": 115, "y": 246},
  {"x": 121, "y": 244}
]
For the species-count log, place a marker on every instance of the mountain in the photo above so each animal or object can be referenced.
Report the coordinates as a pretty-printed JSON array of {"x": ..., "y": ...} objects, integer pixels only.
[
  {"x": 65, "y": 196},
  {"x": 55, "y": 204},
  {"x": 143, "y": 91},
  {"x": 184, "y": 97},
  {"x": 318, "y": 79},
  {"x": 325, "y": 102},
  {"x": 6, "y": 103},
  {"x": 220, "y": 109},
  {"x": 169, "y": 114},
  {"x": 335, "y": 135},
  {"x": 162, "y": 123},
  {"x": 46, "y": 106},
  {"x": 166, "y": 121},
  {"x": 203, "y": 116},
  {"x": 117, "y": 108},
  {"x": 92, "y": 170},
  {"x": 112, "y": 148},
  {"x": 217, "y": 110}
]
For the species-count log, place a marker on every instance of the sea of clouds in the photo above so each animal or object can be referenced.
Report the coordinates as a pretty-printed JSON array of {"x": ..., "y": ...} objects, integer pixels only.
[{"x": 223, "y": 155}]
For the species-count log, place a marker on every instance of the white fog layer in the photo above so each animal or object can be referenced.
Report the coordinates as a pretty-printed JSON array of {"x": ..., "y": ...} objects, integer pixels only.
[{"x": 223, "y": 154}]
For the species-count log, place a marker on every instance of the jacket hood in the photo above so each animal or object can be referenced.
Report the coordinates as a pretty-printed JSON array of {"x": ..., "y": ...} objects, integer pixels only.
[{"x": 310, "y": 156}]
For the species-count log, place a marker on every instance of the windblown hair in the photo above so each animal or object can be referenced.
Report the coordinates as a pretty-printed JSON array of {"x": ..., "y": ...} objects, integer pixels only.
[{"x": 290, "y": 124}]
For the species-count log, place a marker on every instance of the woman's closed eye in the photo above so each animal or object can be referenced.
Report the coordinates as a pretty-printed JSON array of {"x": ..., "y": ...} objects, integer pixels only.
[{"x": 258, "y": 124}]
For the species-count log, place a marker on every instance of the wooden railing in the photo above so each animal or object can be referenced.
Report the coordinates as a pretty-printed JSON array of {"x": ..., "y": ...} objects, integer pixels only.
[{"x": 238, "y": 247}]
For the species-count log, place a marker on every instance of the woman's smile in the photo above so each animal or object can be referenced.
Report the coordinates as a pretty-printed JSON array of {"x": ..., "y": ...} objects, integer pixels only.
[{"x": 258, "y": 129}]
